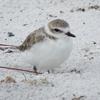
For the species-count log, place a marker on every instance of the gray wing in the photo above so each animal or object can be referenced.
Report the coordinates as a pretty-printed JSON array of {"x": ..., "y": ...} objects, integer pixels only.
[{"x": 32, "y": 39}]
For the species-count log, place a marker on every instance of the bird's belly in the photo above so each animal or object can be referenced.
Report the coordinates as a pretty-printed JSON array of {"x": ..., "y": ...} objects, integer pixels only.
[{"x": 49, "y": 54}]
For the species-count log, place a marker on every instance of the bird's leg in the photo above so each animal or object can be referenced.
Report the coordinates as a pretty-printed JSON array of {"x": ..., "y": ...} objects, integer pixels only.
[
  {"x": 35, "y": 70},
  {"x": 48, "y": 71}
]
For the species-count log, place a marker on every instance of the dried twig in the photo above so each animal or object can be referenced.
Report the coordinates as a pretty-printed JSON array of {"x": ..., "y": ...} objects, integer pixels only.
[
  {"x": 6, "y": 45},
  {"x": 18, "y": 69}
]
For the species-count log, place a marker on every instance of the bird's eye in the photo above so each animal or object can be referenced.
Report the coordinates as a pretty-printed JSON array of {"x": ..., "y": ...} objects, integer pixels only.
[{"x": 57, "y": 30}]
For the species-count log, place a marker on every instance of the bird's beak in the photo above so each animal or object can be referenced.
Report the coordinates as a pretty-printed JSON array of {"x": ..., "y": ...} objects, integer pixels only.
[{"x": 70, "y": 34}]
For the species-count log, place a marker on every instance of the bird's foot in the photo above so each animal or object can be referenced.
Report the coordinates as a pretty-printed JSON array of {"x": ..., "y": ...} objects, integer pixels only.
[{"x": 35, "y": 70}]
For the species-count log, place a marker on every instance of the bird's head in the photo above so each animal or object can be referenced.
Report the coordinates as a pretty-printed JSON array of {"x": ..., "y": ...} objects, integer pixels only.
[{"x": 59, "y": 28}]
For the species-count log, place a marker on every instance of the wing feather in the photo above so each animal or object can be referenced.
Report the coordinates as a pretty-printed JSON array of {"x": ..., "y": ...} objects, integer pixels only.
[{"x": 32, "y": 39}]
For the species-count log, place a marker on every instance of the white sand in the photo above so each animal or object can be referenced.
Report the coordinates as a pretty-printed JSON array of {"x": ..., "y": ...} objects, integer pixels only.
[{"x": 79, "y": 77}]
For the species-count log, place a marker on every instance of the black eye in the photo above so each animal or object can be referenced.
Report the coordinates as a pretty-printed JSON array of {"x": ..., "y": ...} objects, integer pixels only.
[{"x": 57, "y": 30}]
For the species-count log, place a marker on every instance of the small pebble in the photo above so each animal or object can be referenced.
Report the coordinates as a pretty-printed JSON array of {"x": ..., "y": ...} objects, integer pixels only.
[
  {"x": 9, "y": 51},
  {"x": 52, "y": 15},
  {"x": 10, "y": 34},
  {"x": 81, "y": 9},
  {"x": 61, "y": 11},
  {"x": 10, "y": 19},
  {"x": 25, "y": 24},
  {"x": 94, "y": 42}
]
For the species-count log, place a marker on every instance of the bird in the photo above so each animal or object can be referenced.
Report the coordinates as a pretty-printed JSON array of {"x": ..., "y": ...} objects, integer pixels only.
[{"x": 49, "y": 46}]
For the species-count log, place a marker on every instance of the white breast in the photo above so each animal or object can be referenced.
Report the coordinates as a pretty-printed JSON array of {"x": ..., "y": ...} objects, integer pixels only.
[{"x": 49, "y": 54}]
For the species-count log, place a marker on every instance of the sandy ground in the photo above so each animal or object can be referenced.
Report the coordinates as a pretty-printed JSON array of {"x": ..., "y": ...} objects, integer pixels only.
[{"x": 79, "y": 76}]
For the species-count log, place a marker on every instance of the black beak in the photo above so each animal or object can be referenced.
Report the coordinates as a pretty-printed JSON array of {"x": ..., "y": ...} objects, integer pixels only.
[{"x": 70, "y": 34}]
